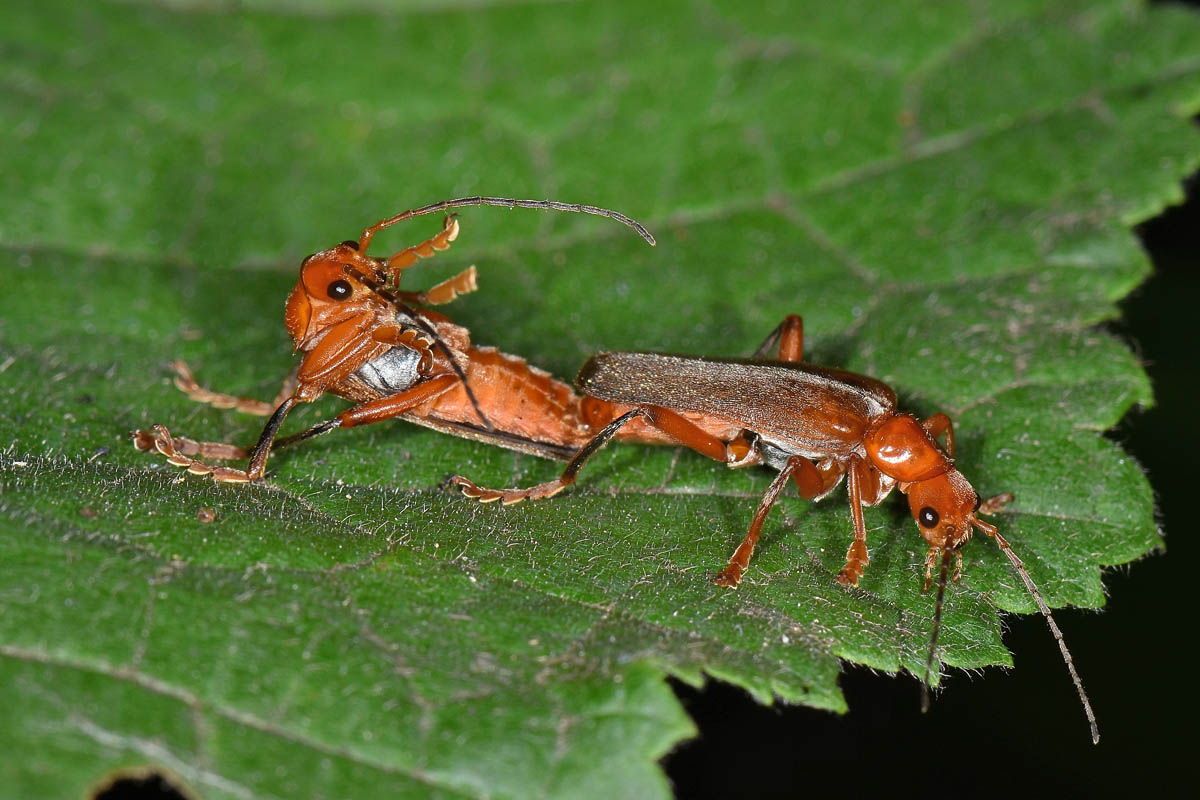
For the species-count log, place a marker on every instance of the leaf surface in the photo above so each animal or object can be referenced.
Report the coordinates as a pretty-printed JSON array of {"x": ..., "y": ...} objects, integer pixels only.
[{"x": 944, "y": 192}]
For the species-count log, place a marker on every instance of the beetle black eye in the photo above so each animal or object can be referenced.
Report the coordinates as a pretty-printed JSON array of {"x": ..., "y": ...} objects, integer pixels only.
[
  {"x": 927, "y": 517},
  {"x": 339, "y": 290},
  {"x": 353, "y": 245},
  {"x": 978, "y": 502}
]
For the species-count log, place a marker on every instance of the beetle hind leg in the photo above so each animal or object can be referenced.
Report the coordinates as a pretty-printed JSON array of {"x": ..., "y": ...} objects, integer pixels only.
[
  {"x": 550, "y": 488},
  {"x": 809, "y": 482},
  {"x": 661, "y": 419},
  {"x": 789, "y": 335},
  {"x": 507, "y": 496}
]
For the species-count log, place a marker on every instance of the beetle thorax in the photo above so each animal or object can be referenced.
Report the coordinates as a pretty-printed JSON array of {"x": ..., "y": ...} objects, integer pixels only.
[{"x": 901, "y": 448}]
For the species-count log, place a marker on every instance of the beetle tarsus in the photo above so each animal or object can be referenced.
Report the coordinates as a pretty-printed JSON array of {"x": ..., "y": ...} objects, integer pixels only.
[
  {"x": 507, "y": 497},
  {"x": 729, "y": 577},
  {"x": 856, "y": 561},
  {"x": 177, "y": 452},
  {"x": 994, "y": 505}
]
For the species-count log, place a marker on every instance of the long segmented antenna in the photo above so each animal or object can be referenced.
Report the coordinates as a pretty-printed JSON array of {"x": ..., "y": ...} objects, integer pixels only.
[
  {"x": 503, "y": 202},
  {"x": 1019, "y": 565},
  {"x": 397, "y": 303},
  {"x": 937, "y": 627}
]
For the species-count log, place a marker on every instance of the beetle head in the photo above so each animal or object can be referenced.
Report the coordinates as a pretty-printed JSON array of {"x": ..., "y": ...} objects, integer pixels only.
[
  {"x": 944, "y": 508},
  {"x": 328, "y": 292}
]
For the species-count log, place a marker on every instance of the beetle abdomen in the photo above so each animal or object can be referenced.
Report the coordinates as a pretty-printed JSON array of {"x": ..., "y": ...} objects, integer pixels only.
[{"x": 394, "y": 371}]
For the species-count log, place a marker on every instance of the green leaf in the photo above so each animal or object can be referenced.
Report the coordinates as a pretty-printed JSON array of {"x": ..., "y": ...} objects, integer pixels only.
[{"x": 943, "y": 191}]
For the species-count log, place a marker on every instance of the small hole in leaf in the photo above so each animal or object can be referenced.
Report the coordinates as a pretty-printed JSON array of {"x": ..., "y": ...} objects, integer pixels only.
[{"x": 141, "y": 783}]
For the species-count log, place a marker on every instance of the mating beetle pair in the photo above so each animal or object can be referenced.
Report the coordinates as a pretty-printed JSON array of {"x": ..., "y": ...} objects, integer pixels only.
[{"x": 364, "y": 339}]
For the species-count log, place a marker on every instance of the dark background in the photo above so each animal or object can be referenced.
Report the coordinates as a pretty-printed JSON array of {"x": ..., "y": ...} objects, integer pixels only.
[{"x": 1008, "y": 733}]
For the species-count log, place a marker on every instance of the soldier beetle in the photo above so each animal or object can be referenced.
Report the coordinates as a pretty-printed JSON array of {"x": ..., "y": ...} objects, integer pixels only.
[
  {"x": 362, "y": 339},
  {"x": 815, "y": 425}
]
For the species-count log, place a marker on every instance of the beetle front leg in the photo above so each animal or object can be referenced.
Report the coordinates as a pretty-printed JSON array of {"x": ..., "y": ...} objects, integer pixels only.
[
  {"x": 391, "y": 406},
  {"x": 937, "y": 425},
  {"x": 426, "y": 249},
  {"x": 448, "y": 290}
]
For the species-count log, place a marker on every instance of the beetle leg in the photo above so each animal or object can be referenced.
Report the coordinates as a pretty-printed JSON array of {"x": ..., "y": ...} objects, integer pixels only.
[
  {"x": 831, "y": 471},
  {"x": 931, "y": 559},
  {"x": 939, "y": 424},
  {"x": 810, "y": 481},
  {"x": 464, "y": 282},
  {"x": 670, "y": 423},
  {"x": 994, "y": 505},
  {"x": 426, "y": 249},
  {"x": 807, "y": 479},
  {"x": 186, "y": 383},
  {"x": 180, "y": 451},
  {"x": 741, "y": 451},
  {"x": 686, "y": 432},
  {"x": 167, "y": 445},
  {"x": 160, "y": 439},
  {"x": 550, "y": 488},
  {"x": 383, "y": 408},
  {"x": 856, "y": 556},
  {"x": 790, "y": 336}
]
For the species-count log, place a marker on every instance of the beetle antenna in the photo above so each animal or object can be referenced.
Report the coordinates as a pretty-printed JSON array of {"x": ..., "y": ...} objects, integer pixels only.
[
  {"x": 503, "y": 202},
  {"x": 937, "y": 628},
  {"x": 1019, "y": 565},
  {"x": 378, "y": 288}
]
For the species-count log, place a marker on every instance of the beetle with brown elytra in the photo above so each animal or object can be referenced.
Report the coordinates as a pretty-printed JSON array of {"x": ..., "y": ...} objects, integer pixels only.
[{"x": 815, "y": 425}]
